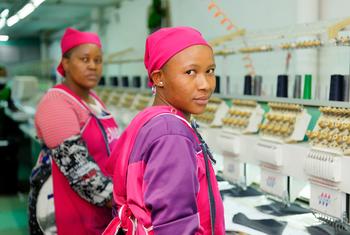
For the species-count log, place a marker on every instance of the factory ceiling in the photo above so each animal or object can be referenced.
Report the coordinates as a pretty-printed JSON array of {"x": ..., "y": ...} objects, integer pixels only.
[{"x": 50, "y": 16}]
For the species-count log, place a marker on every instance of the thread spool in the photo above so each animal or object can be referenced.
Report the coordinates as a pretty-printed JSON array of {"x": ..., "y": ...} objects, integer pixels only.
[
  {"x": 217, "y": 87},
  {"x": 257, "y": 85},
  {"x": 228, "y": 85},
  {"x": 102, "y": 81},
  {"x": 336, "y": 88},
  {"x": 297, "y": 87},
  {"x": 114, "y": 80},
  {"x": 346, "y": 87},
  {"x": 247, "y": 85},
  {"x": 136, "y": 81},
  {"x": 125, "y": 81},
  {"x": 307, "y": 86},
  {"x": 282, "y": 85}
]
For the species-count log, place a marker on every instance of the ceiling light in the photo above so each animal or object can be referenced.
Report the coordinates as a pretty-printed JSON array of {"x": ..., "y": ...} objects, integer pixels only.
[
  {"x": 2, "y": 22},
  {"x": 26, "y": 10},
  {"x": 36, "y": 3},
  {"x": 4, "y": 38},
  {"x": 12, "y": 20},
  {"x": 4, "y": 13}
]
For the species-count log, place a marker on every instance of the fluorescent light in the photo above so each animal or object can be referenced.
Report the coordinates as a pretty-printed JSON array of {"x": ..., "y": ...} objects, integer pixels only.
[
  {"x": 26, "y": 10},
  {"x": 4, "y": 38},
  {"x": 2, "y": 22},
  {"x": 36, "y": 3},
  {"x": 4, "y": 13},
  {"x": 12, "y": 20},
  {"x": 21, "y": 14}
]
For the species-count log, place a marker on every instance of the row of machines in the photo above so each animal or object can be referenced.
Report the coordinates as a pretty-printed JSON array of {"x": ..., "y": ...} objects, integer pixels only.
[
  {"x": 283, "y": 139},
  {"x": 124, "y": 104}
]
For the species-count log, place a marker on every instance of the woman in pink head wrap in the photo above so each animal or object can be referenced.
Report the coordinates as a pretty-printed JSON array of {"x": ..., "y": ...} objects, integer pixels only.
[
  {"x": 70, "y": 192},
  {"x": 164, "y": 182}
]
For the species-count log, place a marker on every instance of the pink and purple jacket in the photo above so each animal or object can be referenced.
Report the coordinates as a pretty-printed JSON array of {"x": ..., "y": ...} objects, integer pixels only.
[{"x": 160, "y": 184}]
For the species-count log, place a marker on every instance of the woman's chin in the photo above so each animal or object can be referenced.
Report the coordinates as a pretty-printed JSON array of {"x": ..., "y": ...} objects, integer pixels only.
[{"x": 198, "y": 111}]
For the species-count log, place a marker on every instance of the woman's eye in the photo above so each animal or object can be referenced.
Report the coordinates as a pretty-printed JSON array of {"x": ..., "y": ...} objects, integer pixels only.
[
  {"x": 190, "y": 72},
  {"x": 98, "y": 61},
  {"x": 85, "y": 59},
  {"x": 211, "y": 71}
]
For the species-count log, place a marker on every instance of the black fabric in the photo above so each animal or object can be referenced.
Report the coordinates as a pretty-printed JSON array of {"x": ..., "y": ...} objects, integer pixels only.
[
  {"x": 240, "y": 192},
  {"x": 280, "y": 209},
  {"x": 325, "y": 229},
  {"x": 219, "y": 178},
  {"x": 8, "y": 165},
  {"x": 38, "y": 177},
  {"x": 268, "y": 226}
]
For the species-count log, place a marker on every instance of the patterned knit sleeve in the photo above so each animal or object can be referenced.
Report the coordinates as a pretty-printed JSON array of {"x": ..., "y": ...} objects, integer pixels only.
[{"x": 82, "y": 172}]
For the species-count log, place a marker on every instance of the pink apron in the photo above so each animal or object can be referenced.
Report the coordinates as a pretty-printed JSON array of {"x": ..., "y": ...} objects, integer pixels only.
[
  {"x": 74, "y": 215},
  {"x": 118, "y": 167}
]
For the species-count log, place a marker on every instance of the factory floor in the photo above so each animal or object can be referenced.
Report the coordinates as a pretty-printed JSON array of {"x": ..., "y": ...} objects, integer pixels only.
[{"x": 13, "y": 214}]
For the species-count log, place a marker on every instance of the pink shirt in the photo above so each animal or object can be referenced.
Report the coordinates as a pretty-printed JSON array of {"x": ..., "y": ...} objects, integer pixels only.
[{"x": 68, "y": 115}]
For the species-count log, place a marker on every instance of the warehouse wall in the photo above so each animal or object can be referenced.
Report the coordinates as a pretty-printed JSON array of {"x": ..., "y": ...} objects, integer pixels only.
[
  {"x": 265, "y": 16},
  {"x": 19, "y": 52}
]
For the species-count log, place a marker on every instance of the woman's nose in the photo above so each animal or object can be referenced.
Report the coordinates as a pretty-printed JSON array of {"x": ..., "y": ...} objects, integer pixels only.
[{"x": 204, "y": 82}]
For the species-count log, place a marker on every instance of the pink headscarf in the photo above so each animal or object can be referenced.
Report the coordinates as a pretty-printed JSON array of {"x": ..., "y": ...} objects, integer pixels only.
[
  {"x": 167, "y": 42},
  {"x": 73, "y": 38}
]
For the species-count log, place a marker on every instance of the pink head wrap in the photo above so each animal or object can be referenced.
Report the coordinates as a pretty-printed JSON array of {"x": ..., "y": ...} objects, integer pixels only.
[
  {"x": 167, "y": 42},
  {"x": 73, "y": 38}
]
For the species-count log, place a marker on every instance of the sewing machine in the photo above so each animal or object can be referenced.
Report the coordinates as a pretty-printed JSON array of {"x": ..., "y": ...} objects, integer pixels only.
[
  {"x": 235, "y": 141},
  {"x": 284, "y": 124},
  {"x": 327, "y": 166}
]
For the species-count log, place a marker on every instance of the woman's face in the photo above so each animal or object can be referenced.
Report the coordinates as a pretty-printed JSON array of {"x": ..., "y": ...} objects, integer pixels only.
[
  {"x": 189, "y": 79},
  {"x": 83, "y": 68}
]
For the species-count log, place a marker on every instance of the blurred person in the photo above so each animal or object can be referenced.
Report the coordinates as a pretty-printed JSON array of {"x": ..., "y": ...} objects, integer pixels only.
[{"x": 70, "y": 192}]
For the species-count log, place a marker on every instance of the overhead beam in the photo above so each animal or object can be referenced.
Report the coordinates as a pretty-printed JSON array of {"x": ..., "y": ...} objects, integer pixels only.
[{"x": 82, "y": 3}]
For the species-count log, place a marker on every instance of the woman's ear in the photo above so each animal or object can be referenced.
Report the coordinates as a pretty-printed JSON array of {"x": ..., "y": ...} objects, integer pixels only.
[
  {"x": 65, "y": 64},
  {"x": 158, "y": 78}
]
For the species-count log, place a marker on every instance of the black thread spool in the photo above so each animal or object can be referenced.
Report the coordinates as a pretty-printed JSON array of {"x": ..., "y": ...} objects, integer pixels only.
[
  {"x": 247, "y": 85},
  {"x": 114, "y": 80},
  {"x": 102, "y": 81},
  {"x": 336, "y": 88},
  {"x": 136, "y": 81},
  {"x": 125, "y": 81},
  {"x": 346, "y": 88},
  {"x": 282, "y": 85},
  {"x": 217, "y": 87}
]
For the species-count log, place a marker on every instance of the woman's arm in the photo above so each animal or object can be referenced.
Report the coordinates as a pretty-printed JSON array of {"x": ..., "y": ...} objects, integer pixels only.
[
  {"x": 171, "y": 185},
  {"x": 82, "y": 172}
]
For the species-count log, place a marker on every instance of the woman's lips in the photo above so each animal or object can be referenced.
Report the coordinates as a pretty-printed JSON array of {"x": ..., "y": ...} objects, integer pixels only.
[
  {"x": 92, "y": 77},
  {"x": 201, "y": 100}
]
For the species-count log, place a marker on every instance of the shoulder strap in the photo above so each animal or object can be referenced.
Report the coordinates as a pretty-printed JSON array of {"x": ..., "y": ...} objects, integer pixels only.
[
  {"x": 207, "y": 155},
  {"x": 65, "y": 90}
]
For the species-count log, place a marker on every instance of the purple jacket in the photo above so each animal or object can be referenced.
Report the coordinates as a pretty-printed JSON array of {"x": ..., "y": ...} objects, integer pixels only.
[{"x": 165, "y": 186}]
